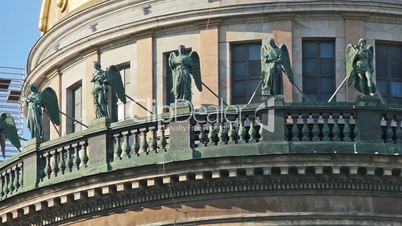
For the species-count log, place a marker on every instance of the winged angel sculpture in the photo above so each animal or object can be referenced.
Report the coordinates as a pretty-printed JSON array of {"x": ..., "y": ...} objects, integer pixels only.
[
  {"x": 274, "y": 61},
  {"x": 8, "y": 130},
  {"x": 182, "y": 65},
  {"x": 101, "y": 80},
  {"x": 359, "y": 67},
  {"x": 47, "y": 99}
]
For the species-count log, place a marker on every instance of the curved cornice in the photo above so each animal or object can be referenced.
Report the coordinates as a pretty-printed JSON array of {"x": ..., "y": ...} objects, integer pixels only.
[{"x": 114, "y": 20}]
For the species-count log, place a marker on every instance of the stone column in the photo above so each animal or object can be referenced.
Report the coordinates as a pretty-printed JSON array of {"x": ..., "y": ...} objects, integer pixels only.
[
  {"x": 89, "y": 113},
  {"x": 144, "y": 78},
  {"x": 209, "y": 55},
  {"x": 354, "y": 30}
]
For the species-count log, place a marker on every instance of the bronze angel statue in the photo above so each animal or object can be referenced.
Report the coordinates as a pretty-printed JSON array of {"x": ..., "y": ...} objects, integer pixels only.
[
  {"x": 359, "y": 67},
  {"x": 8, "y": 130},
  {"x": 47, "y": 99},
  {"x": 274, "y": 61},
  {"x": 101, "y": 79},
  {"x": 182, "y": 65}
]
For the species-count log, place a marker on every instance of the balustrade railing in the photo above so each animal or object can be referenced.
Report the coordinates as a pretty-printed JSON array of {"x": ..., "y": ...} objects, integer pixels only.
[{"x": 355, "y": 129}]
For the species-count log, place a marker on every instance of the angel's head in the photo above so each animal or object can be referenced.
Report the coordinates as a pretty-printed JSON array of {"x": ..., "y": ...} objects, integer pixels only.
[
  {"x": 362, "y": 42},
  {"x": 181, "y": 49},
  {"x": 33, "y": 88},
  {"x": 97, "y": 65}
]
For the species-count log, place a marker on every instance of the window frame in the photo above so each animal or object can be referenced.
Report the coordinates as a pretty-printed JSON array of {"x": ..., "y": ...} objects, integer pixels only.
[
  {"x": 318, "y": 93},
  {"x": 248, "y": 78}
]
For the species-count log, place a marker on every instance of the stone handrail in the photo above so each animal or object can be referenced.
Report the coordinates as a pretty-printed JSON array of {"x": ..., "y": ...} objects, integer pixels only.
[{"x": 276, "y": 128}]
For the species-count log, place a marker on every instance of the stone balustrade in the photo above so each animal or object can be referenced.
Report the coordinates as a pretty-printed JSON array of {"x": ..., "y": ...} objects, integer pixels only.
[{"x": 279, "y": 128}]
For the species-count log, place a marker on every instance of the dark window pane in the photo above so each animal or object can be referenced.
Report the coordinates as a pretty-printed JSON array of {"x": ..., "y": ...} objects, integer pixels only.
[
  {"x": 327, "y": 85},
  {"x": 312, "y": 97},
  {"x": 395, "y": 52},
  {"x": 240, "y": 52},
  {"x": 252, "y": 86},
  {"x": 310, "y": 67},
  {"x": 239, "y": 70},
  {"x": 327, "y": 50},
  {"x": 310, "y": 49},
  {"x": 382, "y": 87},
  {"x": 396, "y": 89},
  {"x": 381, "y": 51},
  {"x": 325, "y": 97},
  {"x": 381, "y": 69},
  {"x": 396, "y": 70},
  {"x": 255, "y": 68},
  {"x": 239, "y": 88},
  {"x": 327, "y": 67},
  {"x": 255, "y": 52},
  {"x": 309, "y": 85}
]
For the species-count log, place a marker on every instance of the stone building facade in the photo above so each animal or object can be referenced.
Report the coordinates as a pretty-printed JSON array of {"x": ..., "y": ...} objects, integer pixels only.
[{"x": 303, "y": 173}]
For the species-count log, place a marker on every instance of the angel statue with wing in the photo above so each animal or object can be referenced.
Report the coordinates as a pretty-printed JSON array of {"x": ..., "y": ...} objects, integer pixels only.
[
  {"x": 359, "y": 67},
  {"x": 182, "y": 65},
  {"x": 102, "y": 79},
  {"x": 8, "y": 130},
  {"x": 274, "y": 61},
  {"x": 46, "y": 99}
]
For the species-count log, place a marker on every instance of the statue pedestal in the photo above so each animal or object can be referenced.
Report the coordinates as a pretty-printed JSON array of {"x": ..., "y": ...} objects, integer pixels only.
[
  {"x": 181, "y": 107},
  {"x": 363, "y": 100},
  {"x": 32, "y": 144},
  {"x": 270, "y": 100},
  {"x": 99, "y": 123}
]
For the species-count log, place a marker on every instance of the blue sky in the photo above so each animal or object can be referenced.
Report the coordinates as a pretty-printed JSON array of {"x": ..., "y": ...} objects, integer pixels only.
[{"x": 19, "y": 32}]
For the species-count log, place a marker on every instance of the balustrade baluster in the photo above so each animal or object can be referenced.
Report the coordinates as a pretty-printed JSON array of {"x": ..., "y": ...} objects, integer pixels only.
[
  {"x": 136, "y": 143},
  {"x": 325, "y": 127},
  {"x": 203, "y": 136},
  {"x": 232, "y": 133},
  {"x": 163, "y": 141},
  {"x": 212, "y": 135},
  {"x": 398, "y": 130},
  {"x": 48, "y": 168},
  {"x": 117, "y": 146},
  {"x": 335, "y": 128},
  {"x": 7, "y": 181},
  {"x": 11, "y": 180},
  {"x": 222, "y": 134},
  {"x": 346, "y": 128},
  {"x": 17, "y": 177},
  {"x": 77, "y": 160},
  {"x": 53, "y": 161},
  {"x": 21, "y": 173},
  {"x": 295, "y": 128},
  {"x": 62, "y": 160},
  {"x": 84, "y": 156},
  {"x": 242, "y": 131},
  {"x": 389, "y": 131},
  {"x": 316, "y": 129},
  {"x": 253, "y": 132},
  {"x": 70, "y": 156},
  {"x": 144, "y": 142},
  {"x": 154, "y": 139},
  {"x": 2, "y": 182},
  {"x": 126, "y": 145},
  {"x": 305, "y": 128}
]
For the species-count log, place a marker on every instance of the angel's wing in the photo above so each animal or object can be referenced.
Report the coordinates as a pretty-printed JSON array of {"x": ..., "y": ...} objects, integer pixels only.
[
  {"x": 195, "y": 69},
  {"x": 172, "y": 56},
  {"x": 9, "y": 130},
  {"x": 351, "y": 53},
  {"x": 284, "y": 56},
  {"x": 51, "y": 105},
  {"x": 264, "y": 54},
  {"x": 3, "y": 144},
  {"x": 113, "y": 77}
]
